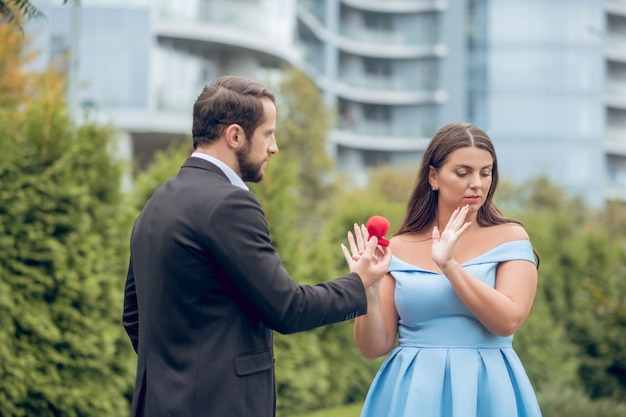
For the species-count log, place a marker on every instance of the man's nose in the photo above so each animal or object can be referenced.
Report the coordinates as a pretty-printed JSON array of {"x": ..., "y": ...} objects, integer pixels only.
[{"x": 273, "y": 149}]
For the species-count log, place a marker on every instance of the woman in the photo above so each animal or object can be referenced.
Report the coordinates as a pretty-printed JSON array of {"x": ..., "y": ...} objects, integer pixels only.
[{"x": 462, "y": 280}]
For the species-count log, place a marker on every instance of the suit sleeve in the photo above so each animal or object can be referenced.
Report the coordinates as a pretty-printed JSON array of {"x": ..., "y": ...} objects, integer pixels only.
[
  {"x": 130, "y": 316},
  {"x": 237, "y": 233}
]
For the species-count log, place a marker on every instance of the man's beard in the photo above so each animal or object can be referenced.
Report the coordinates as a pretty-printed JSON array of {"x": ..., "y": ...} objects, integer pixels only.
[{"x": 250, "y": 171}]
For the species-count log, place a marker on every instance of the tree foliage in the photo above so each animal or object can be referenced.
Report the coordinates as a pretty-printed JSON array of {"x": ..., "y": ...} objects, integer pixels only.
[
  {"x": 579, "y": 312},
  {"x": 13, "y": 80},
  {"x": 16, "y": 11},
  {"x": 62, "y": 261},
  {"x": 164, "y": 165},
  {"x": 302, "y": 127}
]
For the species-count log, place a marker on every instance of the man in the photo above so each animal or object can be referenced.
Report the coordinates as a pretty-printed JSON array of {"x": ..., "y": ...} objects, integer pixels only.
[{"x": 205, "y": 288}]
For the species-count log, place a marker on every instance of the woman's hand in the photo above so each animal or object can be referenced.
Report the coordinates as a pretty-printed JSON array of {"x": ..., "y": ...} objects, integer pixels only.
[
  {"x": 356, "y": 242},
  {"x": 365, "y": 257},
  {"x": 444, "y": 243}
]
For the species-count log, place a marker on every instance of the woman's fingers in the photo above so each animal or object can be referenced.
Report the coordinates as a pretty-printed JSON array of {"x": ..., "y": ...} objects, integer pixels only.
[
  {"x": 358, "y": 243},
  {"x": 457, "y": 220},
  {"x": 360, "y": 239},
  {"x": 352, "y": 243},
  {"x": 346, "y": 254},
  {"x": 365, "y": 233}
]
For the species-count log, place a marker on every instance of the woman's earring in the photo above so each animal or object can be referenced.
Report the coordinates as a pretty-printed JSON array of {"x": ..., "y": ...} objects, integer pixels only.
[{"x": 434, "y": 188}]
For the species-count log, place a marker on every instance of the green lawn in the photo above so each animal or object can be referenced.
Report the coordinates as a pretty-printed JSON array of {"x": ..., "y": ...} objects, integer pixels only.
[{"x": 345, "y": 411}]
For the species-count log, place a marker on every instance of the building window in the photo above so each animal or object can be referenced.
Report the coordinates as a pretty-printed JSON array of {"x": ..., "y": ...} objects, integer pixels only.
[{"x": 59, "y": 50}]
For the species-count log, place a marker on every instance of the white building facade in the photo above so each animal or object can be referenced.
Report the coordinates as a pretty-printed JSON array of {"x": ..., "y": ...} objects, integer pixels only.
[{"x": 545, "y": 79}]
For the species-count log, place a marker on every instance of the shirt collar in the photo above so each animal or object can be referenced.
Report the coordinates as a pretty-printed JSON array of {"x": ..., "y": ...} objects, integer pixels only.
[{"x": 228, "y": 171}]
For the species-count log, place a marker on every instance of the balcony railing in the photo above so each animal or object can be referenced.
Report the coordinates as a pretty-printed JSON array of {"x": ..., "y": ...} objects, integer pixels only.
[
  {"x": 616, "y": 88},
  {"x": 615, "y": 45},
  {"x": 615, "y": 3},
  {"x": 381, "y": 37},
  {"x": 386, "y": 129},
  {"x": 397, "y": 6},
  {"x": 387, "y": 83},
  {"x": 617, "y": 7},
  {"x": 615, "y": 141},
  {"x": 263, "y": 20},
  {"x": 316, "y": 8},
  {"x": 617, "y": 179}
]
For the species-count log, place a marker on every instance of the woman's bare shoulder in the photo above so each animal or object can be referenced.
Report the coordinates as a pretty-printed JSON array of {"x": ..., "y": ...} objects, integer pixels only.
[
  {"x": 511, "y": 231},
  {"x": 414, "y": 248},
  {"x": 410, "y": 238}
]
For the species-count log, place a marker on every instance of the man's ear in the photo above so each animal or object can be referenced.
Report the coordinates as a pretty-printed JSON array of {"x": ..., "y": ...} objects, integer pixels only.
[{"x": 235, "y": 137}]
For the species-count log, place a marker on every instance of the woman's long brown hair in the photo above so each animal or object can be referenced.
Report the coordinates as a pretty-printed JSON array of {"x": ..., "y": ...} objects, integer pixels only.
[{"x": 421, "y": 209}]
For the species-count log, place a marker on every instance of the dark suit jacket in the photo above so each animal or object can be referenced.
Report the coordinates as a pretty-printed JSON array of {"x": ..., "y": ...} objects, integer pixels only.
[{"x": 205, "y": 288}]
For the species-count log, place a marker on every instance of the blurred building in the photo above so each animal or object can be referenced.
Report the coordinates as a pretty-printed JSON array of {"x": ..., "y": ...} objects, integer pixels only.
[
  {"x": 613, "y": 33},
  {"x": 142, "y": 63},
  {"x": 543, "y": 99},
  {"x": 544, "y": 79},
  {"x": 386, "y": 67}
]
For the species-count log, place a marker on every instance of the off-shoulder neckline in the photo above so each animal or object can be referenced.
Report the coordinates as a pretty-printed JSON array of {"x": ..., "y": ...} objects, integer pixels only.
[{"x": 469, "y": 261}]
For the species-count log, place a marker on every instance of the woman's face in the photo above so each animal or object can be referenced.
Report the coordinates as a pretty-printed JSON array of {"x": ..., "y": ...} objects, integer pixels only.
[{"x": 464, "y": 179}]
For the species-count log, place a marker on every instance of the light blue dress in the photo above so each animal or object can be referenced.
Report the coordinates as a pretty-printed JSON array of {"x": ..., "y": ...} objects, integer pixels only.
[{"x": 447, "y": 364}]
